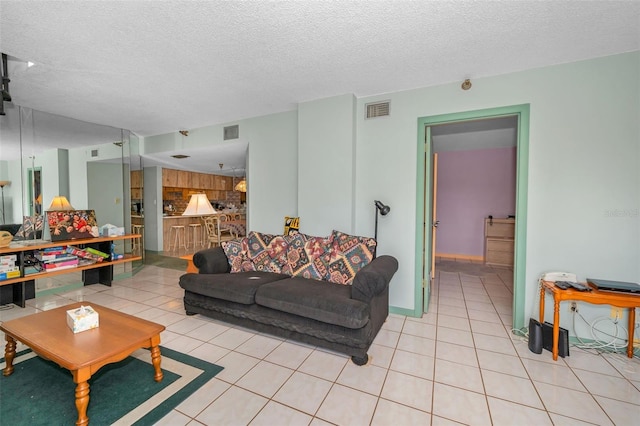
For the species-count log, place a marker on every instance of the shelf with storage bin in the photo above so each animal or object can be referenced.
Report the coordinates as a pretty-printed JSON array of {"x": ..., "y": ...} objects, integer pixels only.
[
  {"x": 22, "y": 288},
  {"x": 499, "y": 241}
]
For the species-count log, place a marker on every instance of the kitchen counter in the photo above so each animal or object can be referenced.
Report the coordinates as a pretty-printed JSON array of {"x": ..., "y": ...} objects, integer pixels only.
[{"x": 179, "y": 220}]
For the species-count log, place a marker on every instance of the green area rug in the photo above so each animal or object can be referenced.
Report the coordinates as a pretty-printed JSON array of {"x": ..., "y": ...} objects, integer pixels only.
[
  {"x": 39, "y": 392},
  {"x": 156, "y": 259}
]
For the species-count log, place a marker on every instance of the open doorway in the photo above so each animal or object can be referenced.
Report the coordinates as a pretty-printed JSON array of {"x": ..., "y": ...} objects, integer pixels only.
[
  {"x": 475, "y": 185},
  {"x": 427, "y": 224}
]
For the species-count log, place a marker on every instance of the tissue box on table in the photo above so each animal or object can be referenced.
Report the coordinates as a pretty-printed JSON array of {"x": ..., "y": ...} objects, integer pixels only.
[
  {"x": 110, "y": 230},
  {"x": 82, "y": 318}
]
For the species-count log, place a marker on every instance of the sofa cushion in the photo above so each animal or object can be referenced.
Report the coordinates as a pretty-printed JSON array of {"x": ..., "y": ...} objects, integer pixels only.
[
  {"x": 320, "y": 300},
  {"x": 267, "y": 252},
  {"x": 305, "y": 256},
  {"x": 236, "y": 252},
  {"x": 240, "y": 287},
  {"x": 348, "y": 255}
]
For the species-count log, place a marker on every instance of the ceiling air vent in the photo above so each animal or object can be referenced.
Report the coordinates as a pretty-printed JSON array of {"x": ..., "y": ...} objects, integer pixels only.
[
  {"x": 378, "y": 109},
  {"x": 94, "y": 153},
  {"x": 231, "y": 132}
]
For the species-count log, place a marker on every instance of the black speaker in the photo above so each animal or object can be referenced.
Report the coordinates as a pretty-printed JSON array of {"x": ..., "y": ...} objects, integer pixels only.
[
  {"x": 563, "y": 339},
  {"x": 535, "y": 336}
]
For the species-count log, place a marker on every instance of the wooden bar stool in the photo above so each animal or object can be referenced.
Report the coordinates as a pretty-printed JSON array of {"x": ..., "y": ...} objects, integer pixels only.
[
  {"x": 137, "y": 229},
  {"x": 196, "y": 234},
  {"x": 177, "y": 231}
]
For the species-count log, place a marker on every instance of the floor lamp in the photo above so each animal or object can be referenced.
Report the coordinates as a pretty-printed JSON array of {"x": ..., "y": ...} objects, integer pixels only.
[
  {"x": 3, "y": 183},
  {"x": 383, "y": 210}
]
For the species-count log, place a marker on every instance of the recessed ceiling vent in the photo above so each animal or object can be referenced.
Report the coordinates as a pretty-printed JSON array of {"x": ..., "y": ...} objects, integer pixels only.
[
  {"x": 94, "y": 153},
  {"x": 378, "y": 109},
  {"x": 232, "y": 132}
]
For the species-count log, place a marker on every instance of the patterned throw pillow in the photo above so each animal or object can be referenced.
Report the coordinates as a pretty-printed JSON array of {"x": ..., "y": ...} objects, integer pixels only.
[
  {"x": 267, "y": 252},
  {"x": 236, "y": 252},
  {"x": 349, "y": 254},
  {"x": 305, "y": 256}
]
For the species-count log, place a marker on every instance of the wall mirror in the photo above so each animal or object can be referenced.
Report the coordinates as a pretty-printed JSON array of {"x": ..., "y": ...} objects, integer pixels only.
[{"x": 43, "y": 155}]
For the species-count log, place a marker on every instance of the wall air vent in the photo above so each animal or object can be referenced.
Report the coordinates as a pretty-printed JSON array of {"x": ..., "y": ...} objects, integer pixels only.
[
  {"x": 232, "y": 132},
  {"x": 94, "y": 153},
  {"x": 378, "y": 109}
]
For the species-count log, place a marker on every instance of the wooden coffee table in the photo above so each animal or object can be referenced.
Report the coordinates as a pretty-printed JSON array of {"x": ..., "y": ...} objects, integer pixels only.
[{"x": 84, "y": 353}]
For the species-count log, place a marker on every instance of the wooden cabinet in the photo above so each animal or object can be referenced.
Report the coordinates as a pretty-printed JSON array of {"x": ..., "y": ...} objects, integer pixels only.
[
  {"x": 136, "y": 179},
  {"x": 136, "y": 184},
  {"x": 174, "y": 181},
  {"x": 205, "y": 181},
  {"x": 499, "y": 241},
  {"x": 170, "y": 177},
  {"x": 183, "y": 179}
]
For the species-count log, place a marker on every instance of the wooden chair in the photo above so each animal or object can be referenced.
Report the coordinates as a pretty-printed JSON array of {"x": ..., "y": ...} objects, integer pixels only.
[
  {"x": 226, "y": 230},
  {"x": 214, "y": 233}
]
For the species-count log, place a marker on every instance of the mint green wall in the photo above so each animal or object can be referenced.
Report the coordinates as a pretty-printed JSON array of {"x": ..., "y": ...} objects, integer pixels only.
[
  {"x": 11, "y": 171},
  {"x": 153, "y": 229},
  {"x": 583, "y": 162},
  {"x": 272, "y": 158},
  {"x": 326, "y": 165},
  {"x": 51, "y": 169},
  {"x": 79, "y": 158},
  {"x": 272, "y": 175},
  {"x": 583, "y": 182},
  {"x": 105, "y": 189}
]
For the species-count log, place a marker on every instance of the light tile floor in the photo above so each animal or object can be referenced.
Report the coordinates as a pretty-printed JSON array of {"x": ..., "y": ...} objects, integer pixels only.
[{"x": 459, "y": 363}]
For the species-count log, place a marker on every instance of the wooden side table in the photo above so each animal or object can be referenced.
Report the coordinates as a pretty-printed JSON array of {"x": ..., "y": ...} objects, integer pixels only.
[
  {"x": 596, "y": 297},
  {"x": 191, "y": 268}
]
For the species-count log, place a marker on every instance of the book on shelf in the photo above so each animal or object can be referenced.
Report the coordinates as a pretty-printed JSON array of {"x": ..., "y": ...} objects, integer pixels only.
[
  {"x": 9, "y": 274},
  {"x": 97, "y": 252},
  {"x": 33, "y": 269},
  {"x": 52, "y": 249},
  {"x": 85, "y": 262},
  {"x": 61, "y": 259},
  {"x": 84, "y": 254},
  {"x": 51, "y": 257},
  {"x": 59, "y": 265}
]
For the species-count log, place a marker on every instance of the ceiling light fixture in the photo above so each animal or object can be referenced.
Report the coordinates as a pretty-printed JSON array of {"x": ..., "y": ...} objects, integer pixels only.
[
  {"x": 241, "y": 186},
  {"x": 466, "y": 85}
]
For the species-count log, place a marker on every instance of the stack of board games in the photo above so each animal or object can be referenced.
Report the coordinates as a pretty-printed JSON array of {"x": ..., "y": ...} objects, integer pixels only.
[{"x": 8, "y": 267}]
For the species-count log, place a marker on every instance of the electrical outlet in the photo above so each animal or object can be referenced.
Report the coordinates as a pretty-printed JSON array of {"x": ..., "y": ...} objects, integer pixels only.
[
  {"x": 573, "y": 307},
  {"x": 616, "y": 312}
]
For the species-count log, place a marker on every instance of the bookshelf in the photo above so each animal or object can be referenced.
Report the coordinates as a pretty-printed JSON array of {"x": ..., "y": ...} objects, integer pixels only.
[{"x": 19, "y": 289}]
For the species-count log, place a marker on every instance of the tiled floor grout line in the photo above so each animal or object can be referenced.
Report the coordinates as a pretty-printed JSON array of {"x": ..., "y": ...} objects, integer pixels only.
[{"x": 120, "y": 295}]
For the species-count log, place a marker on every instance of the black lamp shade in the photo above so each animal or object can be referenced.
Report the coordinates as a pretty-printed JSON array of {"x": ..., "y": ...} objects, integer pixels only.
[{"x": 384, "y": 210}]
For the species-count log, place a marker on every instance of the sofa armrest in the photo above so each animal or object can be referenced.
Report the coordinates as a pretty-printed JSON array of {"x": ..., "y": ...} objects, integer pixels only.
[
  {"x": 211, "y": 261},
  {"x": 374, "y": 278}
]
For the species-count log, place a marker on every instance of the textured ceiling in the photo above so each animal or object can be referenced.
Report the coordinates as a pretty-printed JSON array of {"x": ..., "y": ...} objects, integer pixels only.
[{"x": 156, "y": 67}]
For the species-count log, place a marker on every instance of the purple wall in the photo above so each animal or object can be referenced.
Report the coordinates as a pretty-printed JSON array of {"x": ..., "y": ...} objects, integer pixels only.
[{"x": 471, "y": 186}]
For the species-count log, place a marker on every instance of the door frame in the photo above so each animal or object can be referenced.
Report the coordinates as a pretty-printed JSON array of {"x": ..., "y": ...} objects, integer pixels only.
[{"x": 424, "y": 187}]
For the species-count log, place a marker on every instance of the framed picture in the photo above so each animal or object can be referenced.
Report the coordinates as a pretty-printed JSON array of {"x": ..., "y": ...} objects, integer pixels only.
[
  {"x": 291, "y": 225},
  {"x": 72, "y": 224},
  {"x": 31, "y": 228}
]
